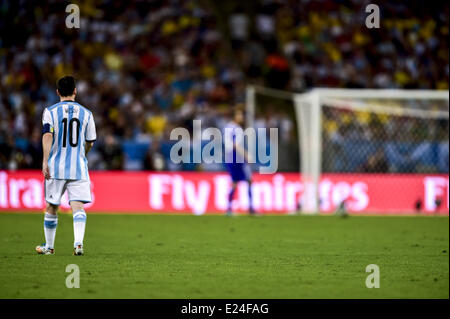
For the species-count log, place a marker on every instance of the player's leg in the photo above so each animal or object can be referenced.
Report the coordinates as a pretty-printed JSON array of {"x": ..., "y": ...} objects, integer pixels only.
[
  {"x": 251, "y": 210},
  {"x": 53, "y": 191},
  {"x": 231, "y": 169},
  {"x": 50, "y": 224},
  {"x": 79, "y": 193},
  {"x": 79, "y": 226},
  {"x": 248, "y": 178},
  {"x": 230, "y": 197}
]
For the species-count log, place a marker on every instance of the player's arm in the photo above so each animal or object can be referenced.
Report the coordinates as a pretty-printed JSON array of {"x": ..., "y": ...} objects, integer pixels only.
[
  {"x": 88, "y": 147},
  {"x": 47, "y": 140},
  {"x": 91, "y": 134}
]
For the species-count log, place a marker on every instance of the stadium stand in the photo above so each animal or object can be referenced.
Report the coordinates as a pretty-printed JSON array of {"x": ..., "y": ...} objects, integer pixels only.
[{"x": 146, "y": 67}]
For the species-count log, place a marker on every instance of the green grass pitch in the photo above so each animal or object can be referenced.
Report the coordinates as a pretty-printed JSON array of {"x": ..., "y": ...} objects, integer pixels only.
[{"x": 183, "y": 256}]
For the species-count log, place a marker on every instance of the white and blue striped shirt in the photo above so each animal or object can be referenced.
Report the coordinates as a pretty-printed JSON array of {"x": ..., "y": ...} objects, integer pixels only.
[{"x": 72, "y": 125}]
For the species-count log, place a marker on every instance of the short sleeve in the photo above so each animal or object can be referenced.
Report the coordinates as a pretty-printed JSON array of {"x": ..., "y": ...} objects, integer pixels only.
[
  {"x": 91, "y": 135},
  {"x": 47, "y": 122}
]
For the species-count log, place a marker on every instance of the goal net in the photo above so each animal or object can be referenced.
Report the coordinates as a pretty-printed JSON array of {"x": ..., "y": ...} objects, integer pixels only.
[{"x": 356, "y": 131}]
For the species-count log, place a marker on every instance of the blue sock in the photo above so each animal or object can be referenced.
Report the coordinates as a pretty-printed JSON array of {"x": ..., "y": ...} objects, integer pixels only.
[
  {"x": 230, "y": 198},
  {"x": 250, "y": 206}
]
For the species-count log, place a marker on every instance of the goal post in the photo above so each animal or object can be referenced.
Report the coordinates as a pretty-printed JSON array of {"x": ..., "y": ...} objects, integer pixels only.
[
  {"x": 308, "y": 114},
  {"x": 360, "y": 130}
]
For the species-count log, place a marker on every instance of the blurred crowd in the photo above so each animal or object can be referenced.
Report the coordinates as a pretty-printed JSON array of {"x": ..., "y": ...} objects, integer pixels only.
[
  {"x": 357, "y": 141},
  {"x": 145, "y": 67}
]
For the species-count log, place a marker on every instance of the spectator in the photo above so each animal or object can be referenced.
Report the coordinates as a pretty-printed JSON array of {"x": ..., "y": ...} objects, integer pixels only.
[
  {"x": 111, "y": 153},
  {"x": 239, "y": 28}
]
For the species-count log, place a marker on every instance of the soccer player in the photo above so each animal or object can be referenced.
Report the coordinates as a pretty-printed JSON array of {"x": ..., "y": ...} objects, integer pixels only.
[
  {"x": 68, "y": 135},
  {"x": 238, "y": 168}
]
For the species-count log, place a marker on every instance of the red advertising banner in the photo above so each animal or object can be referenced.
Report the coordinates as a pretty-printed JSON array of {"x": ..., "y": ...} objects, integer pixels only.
[{"x": 199, "y": 193}]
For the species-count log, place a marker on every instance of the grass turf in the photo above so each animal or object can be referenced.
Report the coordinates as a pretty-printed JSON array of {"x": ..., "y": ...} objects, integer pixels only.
[{"x": 160, "y": 256}]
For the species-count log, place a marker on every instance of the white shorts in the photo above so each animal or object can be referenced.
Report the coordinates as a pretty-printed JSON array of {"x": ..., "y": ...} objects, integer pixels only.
[{"x": 78, "y": 190}]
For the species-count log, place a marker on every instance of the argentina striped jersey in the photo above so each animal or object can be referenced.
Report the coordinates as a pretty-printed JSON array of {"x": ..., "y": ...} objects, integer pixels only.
[{"x": 72, "y": 125}]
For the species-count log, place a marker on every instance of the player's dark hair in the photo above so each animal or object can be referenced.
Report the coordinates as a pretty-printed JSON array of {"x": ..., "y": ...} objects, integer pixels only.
[{"x": 66, "y": 85}]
